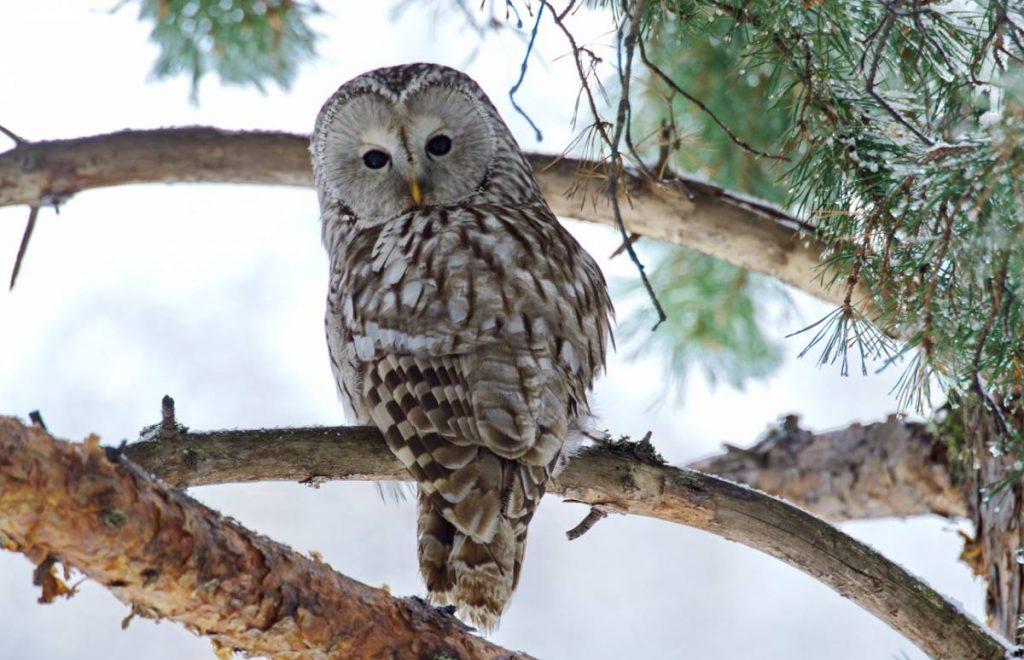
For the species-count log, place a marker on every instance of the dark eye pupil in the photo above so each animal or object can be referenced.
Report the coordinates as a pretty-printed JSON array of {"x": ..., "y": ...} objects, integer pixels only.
[
  {"x": 375, "y": 159},
  {"x": 439, "y": 145}
]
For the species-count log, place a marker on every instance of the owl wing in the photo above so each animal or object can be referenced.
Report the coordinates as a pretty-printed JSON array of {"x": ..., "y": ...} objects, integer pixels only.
[
  {"x": 507, "y": 289},
  {"x": 474, "y": 473},
  {"x": 477, "y": 333}
]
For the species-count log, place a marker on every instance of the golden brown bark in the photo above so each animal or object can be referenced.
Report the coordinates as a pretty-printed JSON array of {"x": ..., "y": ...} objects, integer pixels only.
[
  {"x": 167, "y": 556},
  {"x": 681, "y": 210},
  {"x": 616, "y": 477}
]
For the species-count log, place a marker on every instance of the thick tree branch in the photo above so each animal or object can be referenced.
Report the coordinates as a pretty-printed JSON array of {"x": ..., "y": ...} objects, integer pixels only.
[
  {"x": 887, "y": 469},
  {"x": 731, "y": 227},
  {"x": 167, "y": 556},
  {"x": 618, "y": 479}
]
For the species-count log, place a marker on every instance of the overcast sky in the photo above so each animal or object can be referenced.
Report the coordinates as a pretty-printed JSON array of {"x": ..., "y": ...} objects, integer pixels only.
[{"x": 214, "y": 294}]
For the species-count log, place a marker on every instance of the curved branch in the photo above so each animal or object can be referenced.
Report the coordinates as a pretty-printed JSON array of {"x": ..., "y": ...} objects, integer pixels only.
[
  {"x": 618, "y": 478},
  {"x": 168, "y": 556},
  {"x": 682, "y": 210}
]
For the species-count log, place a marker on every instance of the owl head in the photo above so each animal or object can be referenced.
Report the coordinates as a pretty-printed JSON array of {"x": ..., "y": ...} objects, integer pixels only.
[{"x": 413, "y": 135}]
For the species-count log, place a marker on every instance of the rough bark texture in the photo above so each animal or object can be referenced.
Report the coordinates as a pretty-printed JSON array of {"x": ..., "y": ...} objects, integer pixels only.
[
  {"x": 734, "y": 228},
  {"x": 617, "y": 477},
  {"x": 168, "y": 556},
  {"x": 890, "y": 468},
  {"x": 997, "y": 550}
]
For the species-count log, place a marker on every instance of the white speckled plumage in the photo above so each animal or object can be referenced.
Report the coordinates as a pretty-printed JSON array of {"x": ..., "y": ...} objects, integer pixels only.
[{"x": 468, "y": 327}]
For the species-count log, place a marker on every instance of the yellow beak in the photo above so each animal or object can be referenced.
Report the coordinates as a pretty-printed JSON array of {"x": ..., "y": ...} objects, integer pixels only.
[{"x": 414, "y": 190}]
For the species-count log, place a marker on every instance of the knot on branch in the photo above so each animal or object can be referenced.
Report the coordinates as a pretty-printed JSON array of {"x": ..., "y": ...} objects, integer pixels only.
[{"x": 168, "y": 427}]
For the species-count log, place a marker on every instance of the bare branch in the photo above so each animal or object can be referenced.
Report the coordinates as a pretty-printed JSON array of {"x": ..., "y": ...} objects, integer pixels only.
[
  {"x": 167, "y": 556},
  {"x": 887, "y": 469},
  {"x": 611, "y": 477},
  {"x": 739, "y": 230}
]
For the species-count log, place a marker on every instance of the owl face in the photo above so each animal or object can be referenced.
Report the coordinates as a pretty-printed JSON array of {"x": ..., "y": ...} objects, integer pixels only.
[{"x": 383, "y": 146}]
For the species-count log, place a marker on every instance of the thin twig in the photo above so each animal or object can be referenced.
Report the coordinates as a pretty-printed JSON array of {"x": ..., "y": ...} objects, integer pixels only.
[
  {"x": 704, "y": 108},
  {"x": 1012, "y": 28},
  {"x": 614, "y": 163},
  {"x": 522, "y": 76},
  {"x": 882, "y": 38},
  {"x": 628, "y": 42},
  {"x": 586, "y": 524},
  {"x": 18, "y": 140},
  {"x": 633, "y": 237},
  {"x": 568, "y": 8},
  {"x": 979, "y": 352},
  {"x": 33, "y": 213},
  {"x": 37, "y": 418}
]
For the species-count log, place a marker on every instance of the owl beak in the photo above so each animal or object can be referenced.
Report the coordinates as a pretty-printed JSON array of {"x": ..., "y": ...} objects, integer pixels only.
[{"x": 415, "y": 192}]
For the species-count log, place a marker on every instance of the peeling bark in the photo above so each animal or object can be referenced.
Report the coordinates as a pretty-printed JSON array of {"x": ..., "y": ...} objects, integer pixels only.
[
  {"x": 617, "y": 478},
  {"x": 891, "y": 468},
  {"x": 682, "y": 210},
  {"x": 167, "y": 556}
]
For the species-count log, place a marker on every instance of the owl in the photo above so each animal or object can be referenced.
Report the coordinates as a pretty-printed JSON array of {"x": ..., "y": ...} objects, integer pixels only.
[{"x": 462, "y": 320}]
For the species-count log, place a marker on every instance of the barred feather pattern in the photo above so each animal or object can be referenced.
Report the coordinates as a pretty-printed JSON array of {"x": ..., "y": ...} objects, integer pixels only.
[{"x": 470, "y": 334}]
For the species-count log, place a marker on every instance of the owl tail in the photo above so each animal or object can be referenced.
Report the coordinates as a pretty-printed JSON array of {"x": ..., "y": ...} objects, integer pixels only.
[
  {"x": 477, "y": 577},
  {"x": 435, "y": 538}
]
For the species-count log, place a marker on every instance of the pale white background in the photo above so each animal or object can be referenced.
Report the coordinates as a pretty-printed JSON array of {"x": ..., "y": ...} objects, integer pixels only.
[{"x": 214, "y": 294}]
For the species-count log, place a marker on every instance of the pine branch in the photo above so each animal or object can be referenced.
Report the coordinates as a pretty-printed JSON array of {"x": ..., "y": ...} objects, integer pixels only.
[
  {"x": 168, "y": 556},
  {"x": 734, "y": 228},
  {"x": 619, "y": 479}
]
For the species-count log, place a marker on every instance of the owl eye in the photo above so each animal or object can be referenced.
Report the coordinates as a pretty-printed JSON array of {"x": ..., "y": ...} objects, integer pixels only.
[
  {"x": 375, "y": 159},
  {"x": 439, "y": 145}
]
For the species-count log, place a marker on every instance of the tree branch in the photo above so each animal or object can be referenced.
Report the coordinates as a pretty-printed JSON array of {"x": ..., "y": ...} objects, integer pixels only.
[
  {"x": 887, "y": 469},
  {"x": 618, "y": 479},
  {"x": 678, "y": 209},
  {"x": 167, "y": 556}
]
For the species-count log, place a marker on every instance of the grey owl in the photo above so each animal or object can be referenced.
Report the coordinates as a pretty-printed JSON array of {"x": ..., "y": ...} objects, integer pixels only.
[{"x": 462, "y": 320}]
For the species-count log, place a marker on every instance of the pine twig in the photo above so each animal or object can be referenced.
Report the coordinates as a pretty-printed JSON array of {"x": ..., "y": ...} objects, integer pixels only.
[{"x": 882, "y": 37}]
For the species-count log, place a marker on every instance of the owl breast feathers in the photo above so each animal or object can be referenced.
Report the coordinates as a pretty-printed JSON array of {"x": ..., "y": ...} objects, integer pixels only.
[{"x": 462, "y": 320}]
